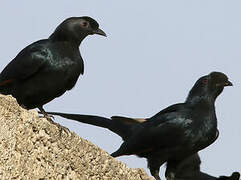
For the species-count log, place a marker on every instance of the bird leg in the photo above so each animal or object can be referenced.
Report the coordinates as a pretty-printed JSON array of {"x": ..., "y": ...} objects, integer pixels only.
[
  {"x": 154, "y": 168},
  {"x": 171, "y": 176},
  {"x": 46, "y": 115},
  {"x": 50, "y": 117},
  {"x": 155, "y": 174},
  {"x": 24, "y": 107}
]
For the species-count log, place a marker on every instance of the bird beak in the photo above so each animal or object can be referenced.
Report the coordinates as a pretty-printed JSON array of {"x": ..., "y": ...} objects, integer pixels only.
[
  {"x": 228, "y": 84},
  {"x": 100, "y": 32}
]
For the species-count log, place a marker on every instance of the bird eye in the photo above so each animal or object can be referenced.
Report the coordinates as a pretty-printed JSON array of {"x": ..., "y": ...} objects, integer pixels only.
[
  {"x": 85, "y": 24},
  {"x": 205, "y": 81}
]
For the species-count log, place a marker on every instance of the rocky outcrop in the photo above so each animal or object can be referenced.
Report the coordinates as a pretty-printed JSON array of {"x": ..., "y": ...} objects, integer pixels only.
[{"x": 32, "y": 148}]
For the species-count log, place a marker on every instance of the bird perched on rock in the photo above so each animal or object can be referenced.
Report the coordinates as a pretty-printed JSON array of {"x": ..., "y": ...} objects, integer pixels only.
[
  {"x": 188, "y": 169},
  {"x": 174, "y": 133},
  {"x": 179, "y": 130},
  {"x": 48, "y": 68}
]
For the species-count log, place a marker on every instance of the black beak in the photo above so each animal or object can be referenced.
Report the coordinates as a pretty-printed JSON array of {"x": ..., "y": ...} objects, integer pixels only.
[
  {"x": 100, "y": 32},
  {"x": 228, "y": 83}
]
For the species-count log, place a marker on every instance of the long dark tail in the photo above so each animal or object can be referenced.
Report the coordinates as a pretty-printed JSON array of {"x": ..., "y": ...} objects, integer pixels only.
[
  {"x": 87, "y": 119},
  {"x": 5, "y": 86},
  {"x": 3, "y": 90},
  {"x": 116, "y": 154},
  {"x": 118, "y": 127}
]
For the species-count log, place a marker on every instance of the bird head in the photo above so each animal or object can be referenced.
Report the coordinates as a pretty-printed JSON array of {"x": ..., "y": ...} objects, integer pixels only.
[
  {"x": 75, "y": 29},
  {"x": 209, "y": 86}
]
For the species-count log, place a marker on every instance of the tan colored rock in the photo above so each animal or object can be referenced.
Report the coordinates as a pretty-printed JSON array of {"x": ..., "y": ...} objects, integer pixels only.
[{"x": 32, "y": 148}]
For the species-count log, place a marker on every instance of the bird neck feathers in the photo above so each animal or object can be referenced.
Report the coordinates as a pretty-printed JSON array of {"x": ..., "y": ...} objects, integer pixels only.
[
  {"x": 61, "y": 35},
  {"x": 201, "y": 99}
]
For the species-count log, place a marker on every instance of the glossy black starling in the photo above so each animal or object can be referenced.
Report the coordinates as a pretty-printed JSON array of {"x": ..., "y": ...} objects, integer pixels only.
[
  {"x": 48, "y": 68},
  {"x": 181, "y": 129},
  {"x": 174, "y": 133},
  {"x": 188, "y": 169}
]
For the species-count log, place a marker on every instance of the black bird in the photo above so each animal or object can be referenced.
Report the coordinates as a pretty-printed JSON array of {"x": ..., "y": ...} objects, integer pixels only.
[
  {"x": 188, "y": 169},
  {"x": 174, "y": 133},
  {"x": 234, "y": 176},
  {"x": 48, "y": 68},
  {"x": 181, "y": 129}
]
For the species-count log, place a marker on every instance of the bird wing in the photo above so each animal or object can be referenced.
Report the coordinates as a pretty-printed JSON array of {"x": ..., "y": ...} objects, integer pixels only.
[
  {"x": 162, "y": 131},
  {"x": 129, "y": 120},
  {"x": 165, "y": 134},
  {"x": 169, "y": 109},
  {"x": 28, "y": 62},
  {"x": 148, "y": 139}
]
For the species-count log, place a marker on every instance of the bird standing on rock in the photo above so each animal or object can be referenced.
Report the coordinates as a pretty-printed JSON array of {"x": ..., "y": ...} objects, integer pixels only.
[
  {"x": 48, "y": 68},
  {"x": 189, "y": 126},
  {"x": 181, "y": 129},
  {"x": 188, "y": 169}
]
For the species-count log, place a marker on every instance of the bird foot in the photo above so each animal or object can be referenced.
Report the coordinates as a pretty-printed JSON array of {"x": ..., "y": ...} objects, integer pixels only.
[
  {"x": 157, "y": 177},
  {"x": 50, "y": 118},
  {"x": 61, "y": 128}
]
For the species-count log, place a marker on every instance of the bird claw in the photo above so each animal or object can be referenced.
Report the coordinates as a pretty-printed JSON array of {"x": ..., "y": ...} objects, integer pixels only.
[
  {"x": 156, "y": 176},
  {"x": 50, "y": 118},
  {"x": 47, "y": 116},
  {"x": 169, "y": 178},
  {"x": 61, "y": 129}
]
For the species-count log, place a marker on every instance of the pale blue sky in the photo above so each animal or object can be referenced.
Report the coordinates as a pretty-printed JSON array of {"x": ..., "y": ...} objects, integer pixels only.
[{"x": 154, "y": 52}]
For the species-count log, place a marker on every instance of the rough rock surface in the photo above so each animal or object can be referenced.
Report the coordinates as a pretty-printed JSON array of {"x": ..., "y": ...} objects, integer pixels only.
[{"x": 32, "y": 148}]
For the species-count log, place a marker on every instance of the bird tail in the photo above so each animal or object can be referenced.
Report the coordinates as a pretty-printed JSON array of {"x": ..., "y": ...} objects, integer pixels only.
[
  {"x": 4, "y": 91},
  {"x": 123, "y": 126},
  {"x": 87, "y": 119},
  {"x": 120, "y": 126},
  {"x": 122, "y": 151},
  {"x": 116, "y": 154},
  {"x": 5, "y": 86}
]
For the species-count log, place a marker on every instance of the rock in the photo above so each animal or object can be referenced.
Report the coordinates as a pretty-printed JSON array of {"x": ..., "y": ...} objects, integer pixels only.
[{"x": 32, "y": 148}]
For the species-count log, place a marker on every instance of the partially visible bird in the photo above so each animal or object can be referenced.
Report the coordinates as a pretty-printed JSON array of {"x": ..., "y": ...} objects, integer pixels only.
[
  {"x": 234, "y": 176},
  {"x": 174, "y": 133},
  {"x": 189, "y": 169},
  {"x": 48, "y": 68},
  {"x": 181, "y": 129}
]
